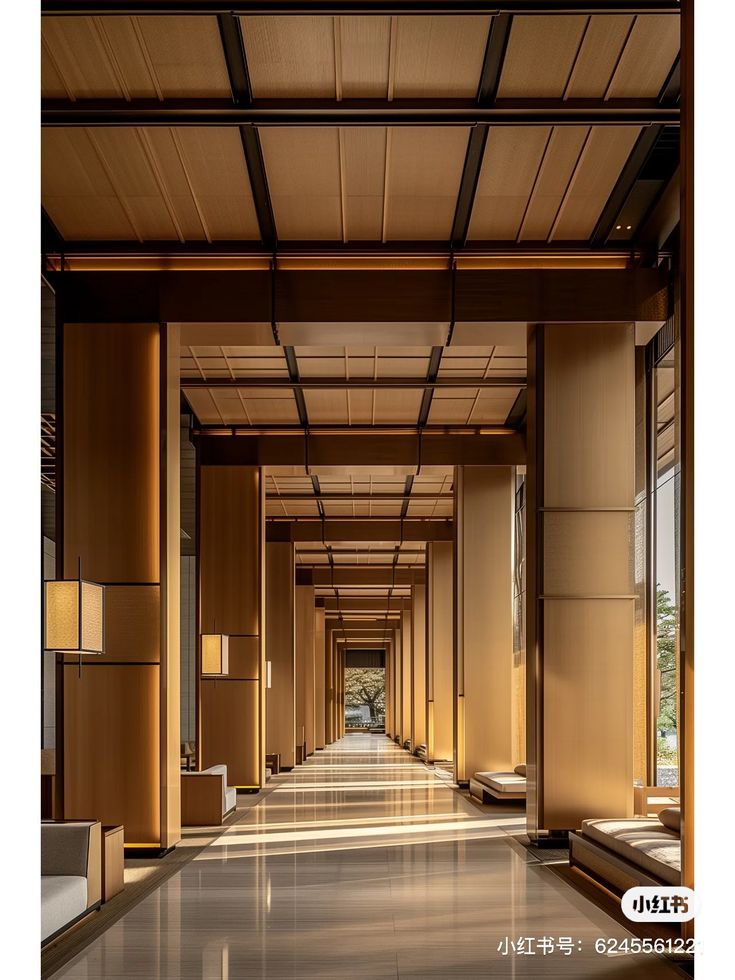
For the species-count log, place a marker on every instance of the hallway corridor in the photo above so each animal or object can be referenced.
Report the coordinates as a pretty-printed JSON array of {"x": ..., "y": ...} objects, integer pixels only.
[{"x": 361, "y": 862}]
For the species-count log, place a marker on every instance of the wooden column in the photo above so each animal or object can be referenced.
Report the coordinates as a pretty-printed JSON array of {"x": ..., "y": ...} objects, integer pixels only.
[
  {"x": 320, "y": 669},
  {"x": 398, "y": 685},
  {"x": 118, "y": 728},
  {"x": 439, "y": 647},
  {"x": 483, "y": 618},
  {"x": 389, "y": 694},
  {"x": 329, "y": 696},
  {"x": 581, "y": 601},
  {"x": 305, "y": 670},
  {"x": 280, "y": 651},
  {"x": 232, "y": 727},
  {"x": 418, "y": 648},
  {"x": 407, "y": 672}
]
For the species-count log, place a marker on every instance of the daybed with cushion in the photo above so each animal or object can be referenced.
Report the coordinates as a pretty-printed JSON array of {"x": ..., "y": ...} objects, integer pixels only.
[
  {"x": 71, "y": 874},
  {"x": 499, "y": 785},
  {"x": 206, "y": 799},
  {"x": 625, "y": 852}
]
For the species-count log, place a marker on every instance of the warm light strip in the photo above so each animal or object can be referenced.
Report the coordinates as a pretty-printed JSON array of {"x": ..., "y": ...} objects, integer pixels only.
[
  {"x": 346, "y": 787},
  {"x": 427, "y": 433},
  {"x": 100, "y": 262}
]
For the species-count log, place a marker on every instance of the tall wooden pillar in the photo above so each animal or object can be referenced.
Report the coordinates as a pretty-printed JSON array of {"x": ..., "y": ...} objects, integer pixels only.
[
  {"x": 330, "y": 693},
  {"x": 305, "y": 670},
  {"x": 320, "y": 670},
  {"x": 581, "y": 598},
  {"x": 418, "y": 648},
  {"x": 118, "y": 514},
  {"x": 232, "y": 726},
  {"x": 439, "y": 651},
  {"x": 483, "y": 618},
  {"x": 398, "y": 684},
  {"x": 389, "y": 691},
  {"x": 407, "y": 672},
  {"x": 280, "y": 651}
]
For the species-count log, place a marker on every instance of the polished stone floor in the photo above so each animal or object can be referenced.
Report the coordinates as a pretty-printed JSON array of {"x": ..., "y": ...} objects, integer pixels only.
[{"x": 361, "y": 863}]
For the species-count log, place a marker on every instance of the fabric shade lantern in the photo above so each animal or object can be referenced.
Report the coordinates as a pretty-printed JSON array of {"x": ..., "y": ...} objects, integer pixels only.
[
  {"x": 215, "y": 653},
  {"x": 75, "y": 616}
]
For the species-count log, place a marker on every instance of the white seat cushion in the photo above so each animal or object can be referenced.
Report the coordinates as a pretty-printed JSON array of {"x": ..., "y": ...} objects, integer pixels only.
[
  {"x": 502, "y": 782},
  {"x": 230, "y": 798},
  {"x": 644, "y": 842},
  {"x": 63, "y": 898}
]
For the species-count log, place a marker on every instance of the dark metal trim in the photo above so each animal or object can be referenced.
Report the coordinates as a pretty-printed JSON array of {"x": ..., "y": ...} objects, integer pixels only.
[
  {"x": 628, "y": 177},
  {"x": 234, "y": 52},
  {"x": 301, "y": 384},
  {"x": 370, "y": 7},
  {"x": 356, "y": 112}
]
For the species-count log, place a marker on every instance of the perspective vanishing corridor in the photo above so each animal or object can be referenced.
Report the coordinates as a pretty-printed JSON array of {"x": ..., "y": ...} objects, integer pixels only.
[{"x": 361, "y": 862}]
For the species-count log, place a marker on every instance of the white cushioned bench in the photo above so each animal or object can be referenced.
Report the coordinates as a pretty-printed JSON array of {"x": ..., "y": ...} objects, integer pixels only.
[
  {"x": 499, "y": 785},
  {"x": 71, "y": 873},
  {"x": 206, "y": 799}
]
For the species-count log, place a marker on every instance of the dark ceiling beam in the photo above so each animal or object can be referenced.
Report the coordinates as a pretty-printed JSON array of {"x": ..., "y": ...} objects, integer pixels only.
[
  {"x": 328, "y": 496},
  {"x": 233, "y": 48},
  {"x": 361, "y": 604},
  {"x": 376, "y": 450},
  {"x": 355, "y": 112},
  {"x": 356, "y": 529},
  {"x": 141, "y": 8},
  {"x": 625, "y": 183},
  {"x": 356, "y": 577},
  {"x": 304, "y": 384},
  {"x": 492, "y": 68},
  {"x": 366, "y": 296}
]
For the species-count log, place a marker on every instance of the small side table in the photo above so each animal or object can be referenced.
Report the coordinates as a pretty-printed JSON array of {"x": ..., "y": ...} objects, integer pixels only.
[{"x": 113, "y": 861}]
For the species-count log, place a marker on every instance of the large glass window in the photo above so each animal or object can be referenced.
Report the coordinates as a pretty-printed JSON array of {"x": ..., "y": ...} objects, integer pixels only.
[
  {"x": 364, "y": 697},
  {"x": 667, "y": 567}
]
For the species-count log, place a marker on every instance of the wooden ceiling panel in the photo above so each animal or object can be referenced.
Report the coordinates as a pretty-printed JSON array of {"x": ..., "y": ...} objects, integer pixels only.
[
  {"x": 76, "y": 189},
  {"x": 439, "y": 56},
  {"x": 321, "y": 367},
  {"x": 186, "y": 56},
  {"x": 215, "y": 167},
  {"x": 203, "y": 405},
  {"x": 602, "y": 159},
  {"x": 395, "y": 406},
  {"x": 362, "y": 162},
  {"x": 493, "y": 407},
  {"x": 424, "y": 172},
  {"x": 304, "y": 178},
  {"x": 263, "y": 410},
  {"x": 326, "y": 406},
  {"x": 361, "y": 407},
  {"x": 557, "y": 167},
  {"x": 290, "y": 56},
  {"x": 512, "y": 160},
  {"x": 450, "y": 411},
  {"x": 364, "y": 46},
  {"x": 540, "y": 56},
  {"x": 125, "y": 57},
  {"x": 647, "y": 58},
  {"x": 601, "y": 48},
  {"x": 403, "y": 367}
]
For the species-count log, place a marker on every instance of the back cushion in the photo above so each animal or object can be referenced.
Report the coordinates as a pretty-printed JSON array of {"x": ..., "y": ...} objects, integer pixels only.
[{"x": 670, "y": 817}]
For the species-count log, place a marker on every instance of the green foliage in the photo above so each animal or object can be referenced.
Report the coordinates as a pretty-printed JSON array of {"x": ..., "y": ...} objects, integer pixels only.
[
  {"x": 366, "y": 685},
  {"x": 666, "y": 630}
]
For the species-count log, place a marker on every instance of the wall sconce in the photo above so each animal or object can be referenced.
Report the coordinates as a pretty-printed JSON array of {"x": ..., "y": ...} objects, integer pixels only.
[
  {"x": 215, "y": 654},
  {"x": 268, "y": 683},
  {"x": 74, "y": 620}
]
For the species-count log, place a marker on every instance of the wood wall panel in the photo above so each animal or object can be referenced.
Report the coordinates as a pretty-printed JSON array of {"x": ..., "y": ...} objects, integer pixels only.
[
  {"x": 483, "y": 618},
  {"x": 304, "y": 605},
  {"x": 581, "y": 605},
  {"x": 279, "y": 649},
  {"x": 439, "y": 646},
  {"x": 229, "y": 566},
  {"x": 418, "y": 643},
  {"x": 230, "y": 718},
  {"x": 111, "y": 422},
  {"x": 407, "y": 675},
  {"x": 319, "y": 678},
  {"x": 112, "y": 768}
]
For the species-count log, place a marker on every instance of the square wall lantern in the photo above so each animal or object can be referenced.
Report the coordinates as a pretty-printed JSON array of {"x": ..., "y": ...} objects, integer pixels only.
[
  {"x": 74, "y": 619},
  {"x": 215, "y": 653}
]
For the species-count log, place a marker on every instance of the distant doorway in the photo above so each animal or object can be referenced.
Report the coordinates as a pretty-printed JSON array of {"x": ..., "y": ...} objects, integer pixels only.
[{"x": 365, "y": 690}]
